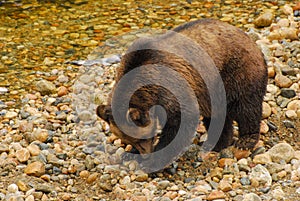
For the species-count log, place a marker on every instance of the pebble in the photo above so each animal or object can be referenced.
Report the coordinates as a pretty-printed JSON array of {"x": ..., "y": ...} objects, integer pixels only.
[
  {"x": 4, "y": 148},
  {"x": 22, "y": 186},
  {"x": 214, "y": 195},
  {"x": 264, "y": 128},
  {"x": 287, "y": 9},
  {"x": 288, "y": 124},
  {"x": 267, "y": 111},
  {"x": 91, "y": 178},
  {"x": 163, "y": 184},
  {"x": 33, "y": 149},
  {"x": 288, "y": 93},
  {"x": 40, "y": 135},
  {"x": 264, "y": 158},
  {"x": 12, "y": 188},
  {"x": 271, "y": 72},
  {"x": 261, "y": 174},
  {"x": 224, "y": 186},
  {"x": 35, "y": 169},
  {"x": 264, "y": 20},
  {"x": 45, "y": 87},
  {"x": 294, "y": 105},
  {"x": 10, "y": 115},
  {"x": 283, "y": 23},
  {"x": 142, "y": 177},
  {"x": 30, "y": 198},
  {"x": 245, "y": 181},
  {"x": 3, "y": 90},
  {"x": 251, "y": 197},
  {"x": 281, "y": 152},
  {"x": 278, "y": 193},
  {"x": 291, "y": 114},
  {"x": 23, "y": 155},
  {"x": 283, "y": 81},
  {"x": 61, "y": 91}
]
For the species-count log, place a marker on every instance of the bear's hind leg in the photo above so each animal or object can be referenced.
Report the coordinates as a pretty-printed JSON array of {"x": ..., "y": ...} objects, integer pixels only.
[
  {"x": 219, "y": 141},
  {"x": 248, "y": 120}
]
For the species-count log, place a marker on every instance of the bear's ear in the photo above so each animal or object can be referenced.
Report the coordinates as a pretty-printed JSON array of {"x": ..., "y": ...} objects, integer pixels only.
[
  {"x": 104, "y": 112},
  {"x": 138, "y": 117}
]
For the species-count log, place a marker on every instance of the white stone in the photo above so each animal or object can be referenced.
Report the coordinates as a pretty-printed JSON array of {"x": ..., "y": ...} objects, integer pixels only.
[
  {"x": 261, "y": 174},
  {"x": 291, "y": 114},
  {"x": 10, "y": 115},
  {"x": 281, "y": 151},
  {"x": 251, "y": 197},
  {"x": 12, "y": 188}
]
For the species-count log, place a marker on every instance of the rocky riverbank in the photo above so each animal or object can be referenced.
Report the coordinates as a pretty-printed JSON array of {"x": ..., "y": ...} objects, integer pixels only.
[{"x": 53, "y": 147}]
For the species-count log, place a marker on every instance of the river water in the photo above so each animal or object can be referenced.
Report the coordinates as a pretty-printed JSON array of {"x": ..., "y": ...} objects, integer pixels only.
[{"x": 38, "y": 38}]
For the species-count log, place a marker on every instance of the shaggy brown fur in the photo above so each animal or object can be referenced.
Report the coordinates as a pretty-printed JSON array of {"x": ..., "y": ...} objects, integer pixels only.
[{"x": 240, "y": 64}]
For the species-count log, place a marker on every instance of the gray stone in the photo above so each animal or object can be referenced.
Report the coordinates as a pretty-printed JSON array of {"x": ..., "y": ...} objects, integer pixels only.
[
  {"x": 163, "y": 184},
  {"x": 245, "y": 181},
  {"x": 288, "y": 71},
  {"x": 288, "y": 124},
  {"x": 288, "y": 93},
  {"x": 45, "y": 187},
  {"x": 85, "y": 116}
]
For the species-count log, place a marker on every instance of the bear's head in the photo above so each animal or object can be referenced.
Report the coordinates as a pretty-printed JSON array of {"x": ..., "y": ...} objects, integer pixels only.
[{"x": 144, "y": 134}]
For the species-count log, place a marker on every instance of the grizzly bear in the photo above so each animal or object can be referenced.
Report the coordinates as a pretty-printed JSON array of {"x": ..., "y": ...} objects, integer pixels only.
[{"x": 177, "y": 73}]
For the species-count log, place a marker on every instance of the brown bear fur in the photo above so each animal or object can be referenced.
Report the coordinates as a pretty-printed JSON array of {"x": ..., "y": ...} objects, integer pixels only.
[{"x": 240, "y": 64}]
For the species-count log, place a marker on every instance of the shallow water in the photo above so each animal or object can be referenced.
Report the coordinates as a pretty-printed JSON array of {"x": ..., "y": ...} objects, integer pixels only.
[{"x": 39, "y": 36}]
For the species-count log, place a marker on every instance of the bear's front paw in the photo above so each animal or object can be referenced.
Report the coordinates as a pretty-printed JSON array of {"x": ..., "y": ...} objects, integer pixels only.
[{"x": 247, "y": 142}]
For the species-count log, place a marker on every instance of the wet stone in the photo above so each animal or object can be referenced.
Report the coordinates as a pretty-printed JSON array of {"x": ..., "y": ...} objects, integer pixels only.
[{"x": 45, "y": 87}]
